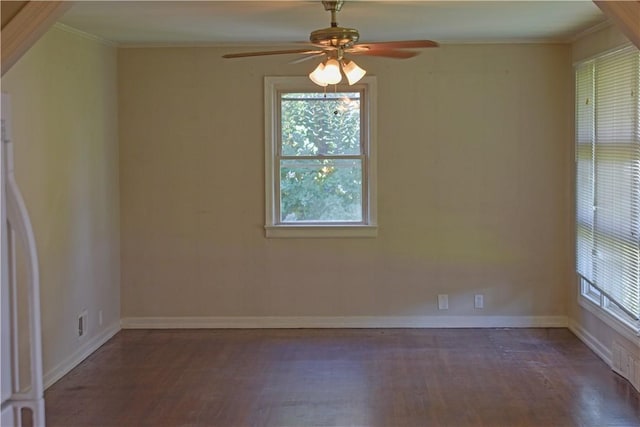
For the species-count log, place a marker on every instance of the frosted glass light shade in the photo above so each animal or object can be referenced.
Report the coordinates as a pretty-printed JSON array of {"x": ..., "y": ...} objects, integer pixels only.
[
  {"x": 317, "y": 75},
  {"x": 353, "y": 72},
  {"x": 331, "y": 72}
]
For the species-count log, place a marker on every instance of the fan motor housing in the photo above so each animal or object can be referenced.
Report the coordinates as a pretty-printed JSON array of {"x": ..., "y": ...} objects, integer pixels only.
[{"x": 335, "y": 37}]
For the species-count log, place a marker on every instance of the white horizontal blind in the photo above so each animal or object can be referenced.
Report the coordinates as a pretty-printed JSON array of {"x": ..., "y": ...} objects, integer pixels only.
[
  {"x": 608, "y": 250},
  {"x": 584, "y": 168}
]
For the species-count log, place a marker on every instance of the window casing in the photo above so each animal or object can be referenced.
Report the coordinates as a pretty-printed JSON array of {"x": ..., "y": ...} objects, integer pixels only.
[
  {"x": 320, "y": 159},
  {"x": 608, "y": 186}
]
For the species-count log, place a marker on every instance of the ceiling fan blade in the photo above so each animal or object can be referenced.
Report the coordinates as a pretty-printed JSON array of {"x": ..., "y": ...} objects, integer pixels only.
[
  {"x": 404, "y": 44},
  {"x": 268, "y": 52},
  {"x": 387, "y": 53},
  {"x": 306, "y": 58}
]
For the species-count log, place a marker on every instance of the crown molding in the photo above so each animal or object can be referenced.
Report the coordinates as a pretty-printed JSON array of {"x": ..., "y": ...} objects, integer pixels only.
[
  {"x": 68, "y": 29},
  {"x": 593, "y": 29}
]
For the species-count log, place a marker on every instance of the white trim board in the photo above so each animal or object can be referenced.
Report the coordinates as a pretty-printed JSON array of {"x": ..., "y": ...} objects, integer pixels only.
[
  {"x": 625, "y": 363},
  {"x": 83, "y": 34},
  {"x": 64, "y": 367},
  {"x": 590, "y": 341},
  {"x": 604, "y": 316},
  {"x": 345, "y": 322}
]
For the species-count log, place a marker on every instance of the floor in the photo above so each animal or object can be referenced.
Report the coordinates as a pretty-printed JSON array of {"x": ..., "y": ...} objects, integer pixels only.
[{"x": 343, "y": 377}]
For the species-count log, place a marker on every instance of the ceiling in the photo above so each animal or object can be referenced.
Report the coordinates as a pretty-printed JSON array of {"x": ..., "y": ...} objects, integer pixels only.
[{"x": 278, "y": 22}]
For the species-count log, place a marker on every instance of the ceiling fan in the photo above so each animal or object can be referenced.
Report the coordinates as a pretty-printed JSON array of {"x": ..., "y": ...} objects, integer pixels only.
[{"x": 334, "y": 42}]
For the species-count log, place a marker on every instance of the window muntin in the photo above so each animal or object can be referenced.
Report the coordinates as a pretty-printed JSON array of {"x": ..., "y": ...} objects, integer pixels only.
[{"x": 320, "y": 159}]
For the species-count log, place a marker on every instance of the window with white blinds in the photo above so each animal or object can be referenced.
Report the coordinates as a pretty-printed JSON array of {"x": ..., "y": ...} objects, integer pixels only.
[{"x": 608, "y": 179}]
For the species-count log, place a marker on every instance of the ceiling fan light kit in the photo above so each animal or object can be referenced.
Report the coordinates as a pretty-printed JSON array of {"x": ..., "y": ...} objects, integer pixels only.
[
  {"x": 329, "y": 73},
  {"x": 352, "y": 71},
  {"x": 334, "y": 42},
  {"x": 317, "y": 76}
]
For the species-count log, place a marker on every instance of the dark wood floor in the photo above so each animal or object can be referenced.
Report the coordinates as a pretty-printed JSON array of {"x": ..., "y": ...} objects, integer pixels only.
[{"x": 355, "y": 377}]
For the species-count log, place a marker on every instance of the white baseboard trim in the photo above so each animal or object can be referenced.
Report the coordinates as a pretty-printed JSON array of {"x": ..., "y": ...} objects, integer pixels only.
[
  {"x": 63, "y": 368},
  {"x": 345, "y": 322},
  {"x": 592, "y": 342}
]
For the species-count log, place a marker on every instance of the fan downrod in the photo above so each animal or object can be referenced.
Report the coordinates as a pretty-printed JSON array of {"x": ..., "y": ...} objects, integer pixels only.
[
  {"x": 334, "y": 36},
  {"x": 333, "y": 6}
]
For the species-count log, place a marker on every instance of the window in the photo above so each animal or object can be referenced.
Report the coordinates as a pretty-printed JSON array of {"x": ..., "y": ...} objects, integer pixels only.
[
  {"x": 608, "y": 184},
  {"x": 319, "y": 159}
]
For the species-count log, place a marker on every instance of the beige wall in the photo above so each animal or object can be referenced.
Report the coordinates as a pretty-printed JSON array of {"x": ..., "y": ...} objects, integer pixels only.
[
  {"x": 474, "y": 189},
  {"x": 64, "y": 100},
  {"x": 584, "y": 322}
]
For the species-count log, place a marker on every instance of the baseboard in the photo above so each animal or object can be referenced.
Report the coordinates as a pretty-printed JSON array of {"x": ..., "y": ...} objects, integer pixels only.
[
  {"x": 62, "y": 368},
  {"x": 345, "y": 322},
  {"x": 592, "y": 342}
]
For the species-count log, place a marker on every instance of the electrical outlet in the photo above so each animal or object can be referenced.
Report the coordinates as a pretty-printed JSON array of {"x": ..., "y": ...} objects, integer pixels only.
[
  {"x": 443, "y": 302},
  {"x": 82, "y": 323},
  {"x": 478, "y": 301}
]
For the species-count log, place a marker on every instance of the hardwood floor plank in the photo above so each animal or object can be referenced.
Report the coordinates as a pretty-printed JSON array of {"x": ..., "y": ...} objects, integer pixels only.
[{"x": 343, "y": 377}]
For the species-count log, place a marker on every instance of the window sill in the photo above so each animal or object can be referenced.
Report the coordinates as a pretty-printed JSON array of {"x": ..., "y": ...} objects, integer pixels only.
[
  {"x": 321, "y": 231},
  {"x": 623, "y": 328}
]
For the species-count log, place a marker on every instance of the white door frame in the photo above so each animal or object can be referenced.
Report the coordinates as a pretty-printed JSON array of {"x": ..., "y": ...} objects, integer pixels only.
[{"x": 16, "y": 227}]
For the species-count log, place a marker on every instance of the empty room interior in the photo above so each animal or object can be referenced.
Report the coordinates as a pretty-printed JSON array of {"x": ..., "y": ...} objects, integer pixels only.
[{"x": 203, "y": 226}]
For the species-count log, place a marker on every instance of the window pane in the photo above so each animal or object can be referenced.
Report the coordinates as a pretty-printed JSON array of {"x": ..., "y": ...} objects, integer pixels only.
[
  {"x": 590, "y": 292},
  {"x": 315, "y": 125},
  {"x": 321, "y": 190}
]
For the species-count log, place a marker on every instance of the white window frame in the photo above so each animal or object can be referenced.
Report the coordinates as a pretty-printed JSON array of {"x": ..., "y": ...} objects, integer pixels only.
[
  {"x": 589, "y": 296},
  {"x": 597, "y": 303},
  {"x": 273, "y": 86}
]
